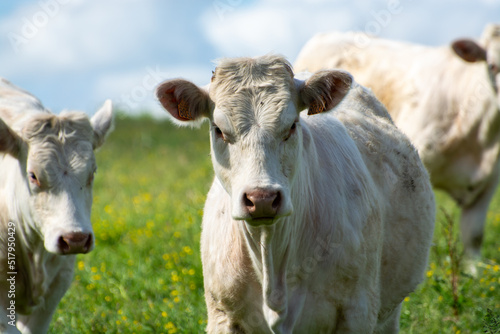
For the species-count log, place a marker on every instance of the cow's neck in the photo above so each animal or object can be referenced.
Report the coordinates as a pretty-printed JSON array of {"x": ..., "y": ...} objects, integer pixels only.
[
  {"x": 269, "y": 252},
  {"x": 32, "y": 261},
  {"x": 478, "y": 106},
  {"x": 31, "y": 272},
  {"x": 31, "y": 256}
]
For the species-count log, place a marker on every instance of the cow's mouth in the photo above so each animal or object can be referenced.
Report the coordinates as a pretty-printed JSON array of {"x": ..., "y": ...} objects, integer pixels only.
[{"x": 261, "y": 221}]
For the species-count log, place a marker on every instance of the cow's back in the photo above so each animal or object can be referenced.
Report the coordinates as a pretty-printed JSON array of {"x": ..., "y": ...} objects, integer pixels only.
[
  {"x": 440, "y": 102},
  {"x": 393, "y": 70}
]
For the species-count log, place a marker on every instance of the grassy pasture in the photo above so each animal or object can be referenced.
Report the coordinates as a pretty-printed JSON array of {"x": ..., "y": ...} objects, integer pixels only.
[{"x": 145, "y": 274}]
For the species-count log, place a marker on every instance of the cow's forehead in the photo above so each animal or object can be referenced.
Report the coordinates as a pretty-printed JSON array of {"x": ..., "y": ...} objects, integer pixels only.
[
  {"x": 237, "y": 74},
  {"x": 491, "y": 38},
  {"x": 491, "y": 31},
  {"x": 67, "y": 126},
  {"x": 495, "y": 48},
  {"x": 256, "y": 111},
  {"x": 60, "y": 143},
  {"x": 253, "y": 91},
  {"x": 51, "y": 159}
]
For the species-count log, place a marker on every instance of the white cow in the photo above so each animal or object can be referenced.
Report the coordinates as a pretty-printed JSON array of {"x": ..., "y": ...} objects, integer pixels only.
[
  {"x": 313, "y": 224},
  {"x": 47, "y": 169},
  {"x": 445, "y": 99}
]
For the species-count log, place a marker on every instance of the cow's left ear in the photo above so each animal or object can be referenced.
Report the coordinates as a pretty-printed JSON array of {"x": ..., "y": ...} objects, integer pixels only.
[
  {"x": 102, "y": 123},
  {"x": 469, "y": 50},
  {"x": 10, "y": 142},
  {"x": 324, "y": 90}
]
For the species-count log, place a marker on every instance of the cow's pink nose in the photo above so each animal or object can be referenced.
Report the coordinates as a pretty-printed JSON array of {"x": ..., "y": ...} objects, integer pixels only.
[
  {"x": 75, "y": 242},
  {"x": 262, "y": 203}
]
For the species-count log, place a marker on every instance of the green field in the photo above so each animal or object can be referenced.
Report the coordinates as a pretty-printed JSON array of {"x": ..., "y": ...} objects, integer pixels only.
[{"x": 145, "y": 275}]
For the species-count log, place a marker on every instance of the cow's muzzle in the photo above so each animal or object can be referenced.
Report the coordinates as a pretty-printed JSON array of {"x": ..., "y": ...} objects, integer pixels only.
[
  {"x": 262, "y": 206},
  {"x": 75, "y": 242}
]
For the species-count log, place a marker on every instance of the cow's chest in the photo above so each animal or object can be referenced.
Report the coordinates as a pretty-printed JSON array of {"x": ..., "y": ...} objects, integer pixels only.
[
  {"x": 309, "y": 300},
  {"x": 36, "y": 273}
]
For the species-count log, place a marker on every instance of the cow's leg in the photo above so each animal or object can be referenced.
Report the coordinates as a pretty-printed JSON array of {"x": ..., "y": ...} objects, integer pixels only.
[
  {"x": 391, "y": 323},
  {"x": 230, "y": 321},
  {"x": 218, "y": 322},
  {"x": 5, "y": 327},
  {"x": 359, "y": 315},
  {"x": 473, "y": 220},
  {"x": 218, "y": 319},
  {"x": 39, "y": 320},
  {"x": 8, "y": 311}
]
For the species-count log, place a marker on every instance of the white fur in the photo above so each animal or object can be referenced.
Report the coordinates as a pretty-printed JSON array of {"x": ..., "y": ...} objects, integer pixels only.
[
  {"x": 354, "y": 238},
  {"x": 64, "y": 162},
  {"x": 449, "y": 108}
]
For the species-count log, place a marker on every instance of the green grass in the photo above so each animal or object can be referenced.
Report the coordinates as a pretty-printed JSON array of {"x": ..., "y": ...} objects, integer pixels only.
[
  {"x": 145, "y": 274},
  {"x": 438, "y": 307}
]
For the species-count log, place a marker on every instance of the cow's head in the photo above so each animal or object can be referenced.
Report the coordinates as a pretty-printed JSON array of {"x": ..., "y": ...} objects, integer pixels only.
[
  {"x": 253, "y": 106},
  {"x": 488, "y": 50},
  {"x": 56, "y": 155}
]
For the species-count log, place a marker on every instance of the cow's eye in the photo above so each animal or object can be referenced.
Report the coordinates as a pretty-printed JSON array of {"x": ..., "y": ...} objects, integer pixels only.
[
  {"x": 493, "y": 68},
  {"x": 91, "y": 178},
  {"x": 218, "y": 132},
  {"x": 291, "y": 131},
  {"x": 33, "y": 179}
]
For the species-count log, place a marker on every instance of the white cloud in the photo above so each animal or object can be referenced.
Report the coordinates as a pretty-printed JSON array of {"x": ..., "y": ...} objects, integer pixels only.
[
  {"x": 270, "y": 26},
  {"x": 79, "y": 53},
  {"x": 285, "y": 25},
  {"x": 56, "y": 35},
  {"x": 74, "y": 53}
]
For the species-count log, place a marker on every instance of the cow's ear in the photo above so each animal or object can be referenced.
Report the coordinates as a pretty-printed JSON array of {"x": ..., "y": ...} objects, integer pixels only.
[
  {"x": 102, "y": 123},
  {"x": 324, "y": 90},
  {"x": 469, "y": 50},
  {"x": 10, "y": 142},
  {"x": 184, "y": 101}
]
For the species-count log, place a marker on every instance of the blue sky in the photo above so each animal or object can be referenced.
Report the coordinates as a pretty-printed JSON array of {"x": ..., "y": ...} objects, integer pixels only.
[{"x": 73, "y": 54}]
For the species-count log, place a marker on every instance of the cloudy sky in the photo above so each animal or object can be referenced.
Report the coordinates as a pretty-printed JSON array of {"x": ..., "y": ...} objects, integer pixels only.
[{"x": 73, "y": 54}]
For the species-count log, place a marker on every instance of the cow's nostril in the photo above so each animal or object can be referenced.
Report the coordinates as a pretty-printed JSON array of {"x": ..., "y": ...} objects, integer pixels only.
[
  {"x": 262, "y": 203},
  {"x": 277, "y": 201},
  {"x": 88, "y": 244},
  {"x": 63, "y": 245},
  {"x": 75, "y": 242},
  {"x": 248, "y": 203}
]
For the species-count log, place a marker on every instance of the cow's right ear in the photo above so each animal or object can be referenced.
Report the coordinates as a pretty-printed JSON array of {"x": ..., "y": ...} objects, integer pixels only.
[
  {"x": 10, "y": 142},
  {"x": 469, "y": 50},
  {"x": 184, "y": 101}
]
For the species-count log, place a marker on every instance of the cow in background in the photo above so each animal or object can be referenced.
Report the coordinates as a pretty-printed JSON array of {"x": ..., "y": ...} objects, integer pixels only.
[
  {"x": 313, "y": 224},
  {"x": 445, "y": 99},
  {"x": 47, "y": 168}
]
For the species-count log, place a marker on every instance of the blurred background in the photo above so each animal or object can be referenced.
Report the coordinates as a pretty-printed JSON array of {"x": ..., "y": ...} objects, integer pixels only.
[{"x": 73, "y": 54}]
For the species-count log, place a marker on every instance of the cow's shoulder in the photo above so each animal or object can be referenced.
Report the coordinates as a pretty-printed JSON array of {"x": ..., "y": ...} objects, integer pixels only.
[{"x": 387, "y": 152}]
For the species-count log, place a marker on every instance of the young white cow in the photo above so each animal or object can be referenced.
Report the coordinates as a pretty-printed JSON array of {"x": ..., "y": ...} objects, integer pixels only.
[
  {"x": 445, "y": 99},
  {"x": 313, "y": 224},
  {"x": 47, "y": 169}
]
